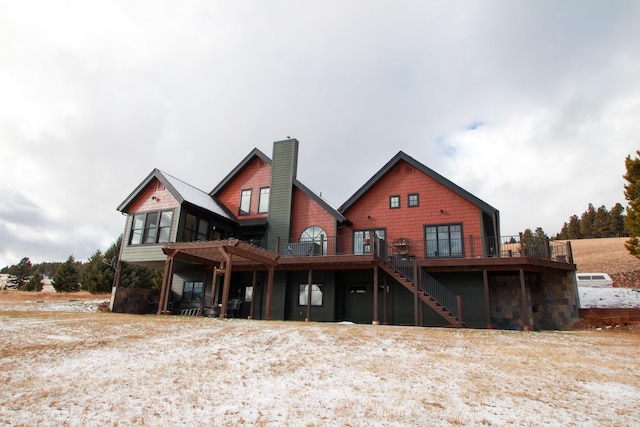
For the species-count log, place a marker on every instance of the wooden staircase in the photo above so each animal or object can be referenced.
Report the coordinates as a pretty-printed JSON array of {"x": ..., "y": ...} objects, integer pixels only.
[{"x": 407, "y": 280}]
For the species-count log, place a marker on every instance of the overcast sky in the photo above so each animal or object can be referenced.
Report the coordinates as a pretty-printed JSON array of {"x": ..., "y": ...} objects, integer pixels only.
[{"x": 530, "y": 105}]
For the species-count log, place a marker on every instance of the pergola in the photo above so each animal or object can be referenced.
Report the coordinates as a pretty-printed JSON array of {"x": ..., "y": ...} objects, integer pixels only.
[{"x": 219, "y": 256}]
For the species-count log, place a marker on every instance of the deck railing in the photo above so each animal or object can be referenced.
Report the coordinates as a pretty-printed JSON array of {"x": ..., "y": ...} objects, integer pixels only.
[{"x": 408, "y": 249}]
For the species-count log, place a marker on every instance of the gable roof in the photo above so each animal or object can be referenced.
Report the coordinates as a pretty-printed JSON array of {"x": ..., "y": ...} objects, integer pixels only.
[
  {"x": 401, "y": 156},
  {"x": 239, "y": 168},
  {"x": 256, "y": 153},
  {"x": 183, "y": 193}
]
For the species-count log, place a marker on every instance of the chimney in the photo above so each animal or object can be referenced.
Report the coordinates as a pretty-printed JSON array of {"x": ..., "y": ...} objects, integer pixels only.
[{"x": 284, "y": 168}]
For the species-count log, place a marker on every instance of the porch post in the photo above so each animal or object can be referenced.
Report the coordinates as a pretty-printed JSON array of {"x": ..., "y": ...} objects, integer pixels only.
[
  {"x": 167, "y": 282},
  {"x": 214, "y": 287},
  {"x": 385, "y": 320},
  {"x": 526, "y": 321},
  {"x": 416, "y": 304},
  {"x": 226, "y": 285},
  {"x": 267, "y": 314},
  {"x": 309, "y": 291},
  {"x": 254, "y": 281},
  {"x": 487, "y": 298},
  {"x": 375, "y": 296}
]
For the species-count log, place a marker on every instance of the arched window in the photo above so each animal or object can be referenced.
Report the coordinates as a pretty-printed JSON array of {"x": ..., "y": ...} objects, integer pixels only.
[{"x": 315, "y": 235}]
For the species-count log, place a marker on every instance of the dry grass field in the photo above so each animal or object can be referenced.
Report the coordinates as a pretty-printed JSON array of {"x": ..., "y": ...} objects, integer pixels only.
[
  {"x": 98, "y": 369},
  {"x": 607, "y": 256}
]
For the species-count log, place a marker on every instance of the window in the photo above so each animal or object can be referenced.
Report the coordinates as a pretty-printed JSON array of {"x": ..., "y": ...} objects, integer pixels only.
[
  {"x": 192, "y": 291},
  {"x": 316, "y": 295},
  {"x": 245, "y": 202},
  {"x": 413, "y": 200},
  {"x": 151, "y": 227},
  {"x": 394, "y": 202},
  {"x": 444, "y": 240},
  {"x": 362, "y": 243},
  {"x": 315, "y": 238},
  {"x": 263, "y": 203},
  {"x": 195, "y": 229},
  {"x": 248, "y": 293}
]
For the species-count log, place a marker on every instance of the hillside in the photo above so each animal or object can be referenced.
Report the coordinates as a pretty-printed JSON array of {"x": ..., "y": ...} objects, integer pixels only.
[{"x": 607, "y": 256}]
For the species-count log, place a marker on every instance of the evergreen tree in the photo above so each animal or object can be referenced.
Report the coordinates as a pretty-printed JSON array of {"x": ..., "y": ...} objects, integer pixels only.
[
  {"x": 97, "y": 276},
  {"x": 34, "y": 284},
  {"x": 632, "y": 194},
  {"x": 616, "y": 225},
  {"x": 586, "y": 222},
  {"x": 564, "y": 232},
  {"x": 134, "y": 276},
  {"x": 21, "y": 272},
  {"x": 574, "y": 227},
  {"x": 67, "y": 277},
  {"x": 601, "y": 222}
]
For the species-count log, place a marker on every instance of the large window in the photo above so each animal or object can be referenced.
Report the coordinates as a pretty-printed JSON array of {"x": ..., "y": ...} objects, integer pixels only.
[
  {"x": 151, "y": 227},
  {"x": 316, "y": 295},
  {"x": 263, "y": 203},
  {"x": 195, "y": 229},
  {"x": 192, "y": 291},
  {"x": 245, "y": 202},
  {"x": 444, "y": 240}
]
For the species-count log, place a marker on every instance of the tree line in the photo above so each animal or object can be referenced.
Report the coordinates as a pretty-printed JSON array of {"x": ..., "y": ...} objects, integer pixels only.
[
  {"x": 595, "y": 223},
  {"x": 95, "y": 276}
]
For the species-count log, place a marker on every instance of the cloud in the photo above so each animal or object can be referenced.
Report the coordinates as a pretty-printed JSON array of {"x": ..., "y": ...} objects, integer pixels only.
[{"x": 531, "y": 106}]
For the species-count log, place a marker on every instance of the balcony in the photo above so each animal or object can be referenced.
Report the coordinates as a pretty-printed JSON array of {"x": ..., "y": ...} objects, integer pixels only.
[{"x": 407, "y": 249}]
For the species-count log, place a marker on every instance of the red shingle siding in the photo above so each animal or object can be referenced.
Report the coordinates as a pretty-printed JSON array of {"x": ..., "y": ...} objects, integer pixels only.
[
  {"x": 256, "y": 175},
  {"x": 409, "y": 222},
  {"x": 145, "y": 201},
  {"x": 306, "y": 213}
]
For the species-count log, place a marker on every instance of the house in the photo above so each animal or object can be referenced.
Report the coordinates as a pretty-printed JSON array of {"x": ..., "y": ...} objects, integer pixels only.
[{"x": 409, "y": 247}]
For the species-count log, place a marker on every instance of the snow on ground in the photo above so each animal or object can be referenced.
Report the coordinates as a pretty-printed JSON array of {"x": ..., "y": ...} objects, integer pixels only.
[
  {"x": 609, "y": 297},
  {"x": 72, "y": 366}
]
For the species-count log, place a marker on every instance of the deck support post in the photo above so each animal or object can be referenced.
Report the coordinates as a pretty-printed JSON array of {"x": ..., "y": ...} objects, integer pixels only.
[
  {"x": 375, "y": 296},
  {"x": 226, "y": 285},
  {"x": 527, "y": 323},
  {"x": 167, "y": 282},
  {"x": 214, "y": 286},
  {"x": 487, "y": 298},
  {"x": 254, "y": 282},
  {"x": 385, "y": 320},
  {"x": 309, "y": 291},
  {"x": 416, "y": 302},
  {"x": 267, "y": 315}
]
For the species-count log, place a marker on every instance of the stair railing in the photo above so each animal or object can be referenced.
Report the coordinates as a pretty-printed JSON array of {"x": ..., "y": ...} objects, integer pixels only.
[
  {"x": 404, "y": 264},
  {"x": 436, "y": 290}
]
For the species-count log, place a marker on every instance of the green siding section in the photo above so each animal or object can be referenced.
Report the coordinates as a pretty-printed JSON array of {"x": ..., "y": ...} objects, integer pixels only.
[
  {"x": 324, "y": 313},
  {"x": 470, "y": 286},
  {"x": 283, "y": 172}
]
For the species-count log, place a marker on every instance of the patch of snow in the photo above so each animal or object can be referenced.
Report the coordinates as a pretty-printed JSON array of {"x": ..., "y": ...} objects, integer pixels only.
[{"x": 609, "y": 297}]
